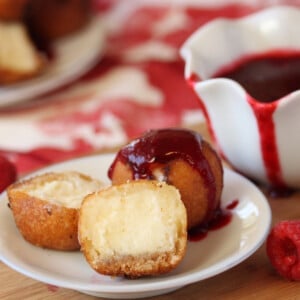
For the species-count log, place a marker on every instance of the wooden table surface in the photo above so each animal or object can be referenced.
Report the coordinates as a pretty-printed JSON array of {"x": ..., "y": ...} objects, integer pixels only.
[{"x": 252, "y": 279}]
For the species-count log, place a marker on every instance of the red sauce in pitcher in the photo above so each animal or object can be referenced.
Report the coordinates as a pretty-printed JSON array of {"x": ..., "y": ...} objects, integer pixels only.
[{"x": 267, "y": 77}]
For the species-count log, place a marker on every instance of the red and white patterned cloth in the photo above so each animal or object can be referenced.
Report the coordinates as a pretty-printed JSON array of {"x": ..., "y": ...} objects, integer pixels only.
[{"x": 137, "y": 84}]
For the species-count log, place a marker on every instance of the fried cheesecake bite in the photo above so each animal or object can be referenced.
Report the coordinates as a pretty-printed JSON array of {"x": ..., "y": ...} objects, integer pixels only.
[
  {"x": 46, "y": 207},
  {"x": 180, "y": 157}
]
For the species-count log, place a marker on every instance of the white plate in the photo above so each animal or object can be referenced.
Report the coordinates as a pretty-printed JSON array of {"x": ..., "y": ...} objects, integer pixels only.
[
  {"x": 74, "y": 56},
  {"x": 220, "y": 250}
]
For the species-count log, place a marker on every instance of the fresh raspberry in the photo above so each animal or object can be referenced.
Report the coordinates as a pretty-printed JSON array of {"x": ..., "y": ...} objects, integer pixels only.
[
  {"x": 283, "y": 249},
  {"x": 8, "y": 173}
]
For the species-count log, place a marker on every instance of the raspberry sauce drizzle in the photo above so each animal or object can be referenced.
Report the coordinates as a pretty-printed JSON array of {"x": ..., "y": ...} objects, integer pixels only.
[
  {"x": 162, "y": 146},
  {"x": 233, "y": 204},
  {"x": 221, "y": 218},
  {"x": 266, "y": 127}
]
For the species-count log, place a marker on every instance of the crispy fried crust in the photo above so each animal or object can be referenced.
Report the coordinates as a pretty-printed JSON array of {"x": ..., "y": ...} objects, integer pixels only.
[
  {"x": 194, "y": 192},
  {"x": 42, "y": 223},
  {"x": 137, "y": 266},
  {"x": 106, "y": 257}
]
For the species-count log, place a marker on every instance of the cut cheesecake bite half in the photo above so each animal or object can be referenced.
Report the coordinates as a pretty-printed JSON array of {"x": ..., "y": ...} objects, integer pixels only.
[
  {"x": 134, "y": 229},
  {"x": 46, "y": 207}
]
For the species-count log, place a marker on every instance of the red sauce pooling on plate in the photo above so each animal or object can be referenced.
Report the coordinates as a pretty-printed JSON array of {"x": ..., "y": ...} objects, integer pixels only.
[
  {"x": 220, "y": 219},
  {"x": 233, "y": 204},
  {"x": 162, "y": 146}
]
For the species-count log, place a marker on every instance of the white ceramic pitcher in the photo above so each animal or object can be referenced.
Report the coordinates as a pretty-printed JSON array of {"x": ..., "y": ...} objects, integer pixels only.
[{"x": 261, "y": 140}]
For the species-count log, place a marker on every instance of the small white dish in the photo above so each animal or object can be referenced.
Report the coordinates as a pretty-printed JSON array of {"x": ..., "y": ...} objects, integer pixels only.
[
  {"x": 74, "y": 55},
  {"x": 219, "y": 251}
]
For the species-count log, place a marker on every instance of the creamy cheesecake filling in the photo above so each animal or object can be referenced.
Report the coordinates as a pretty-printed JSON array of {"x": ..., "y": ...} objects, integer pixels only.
[
  {"x": 140, "y": 221},
  {"x": 67, "y": 191}
]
